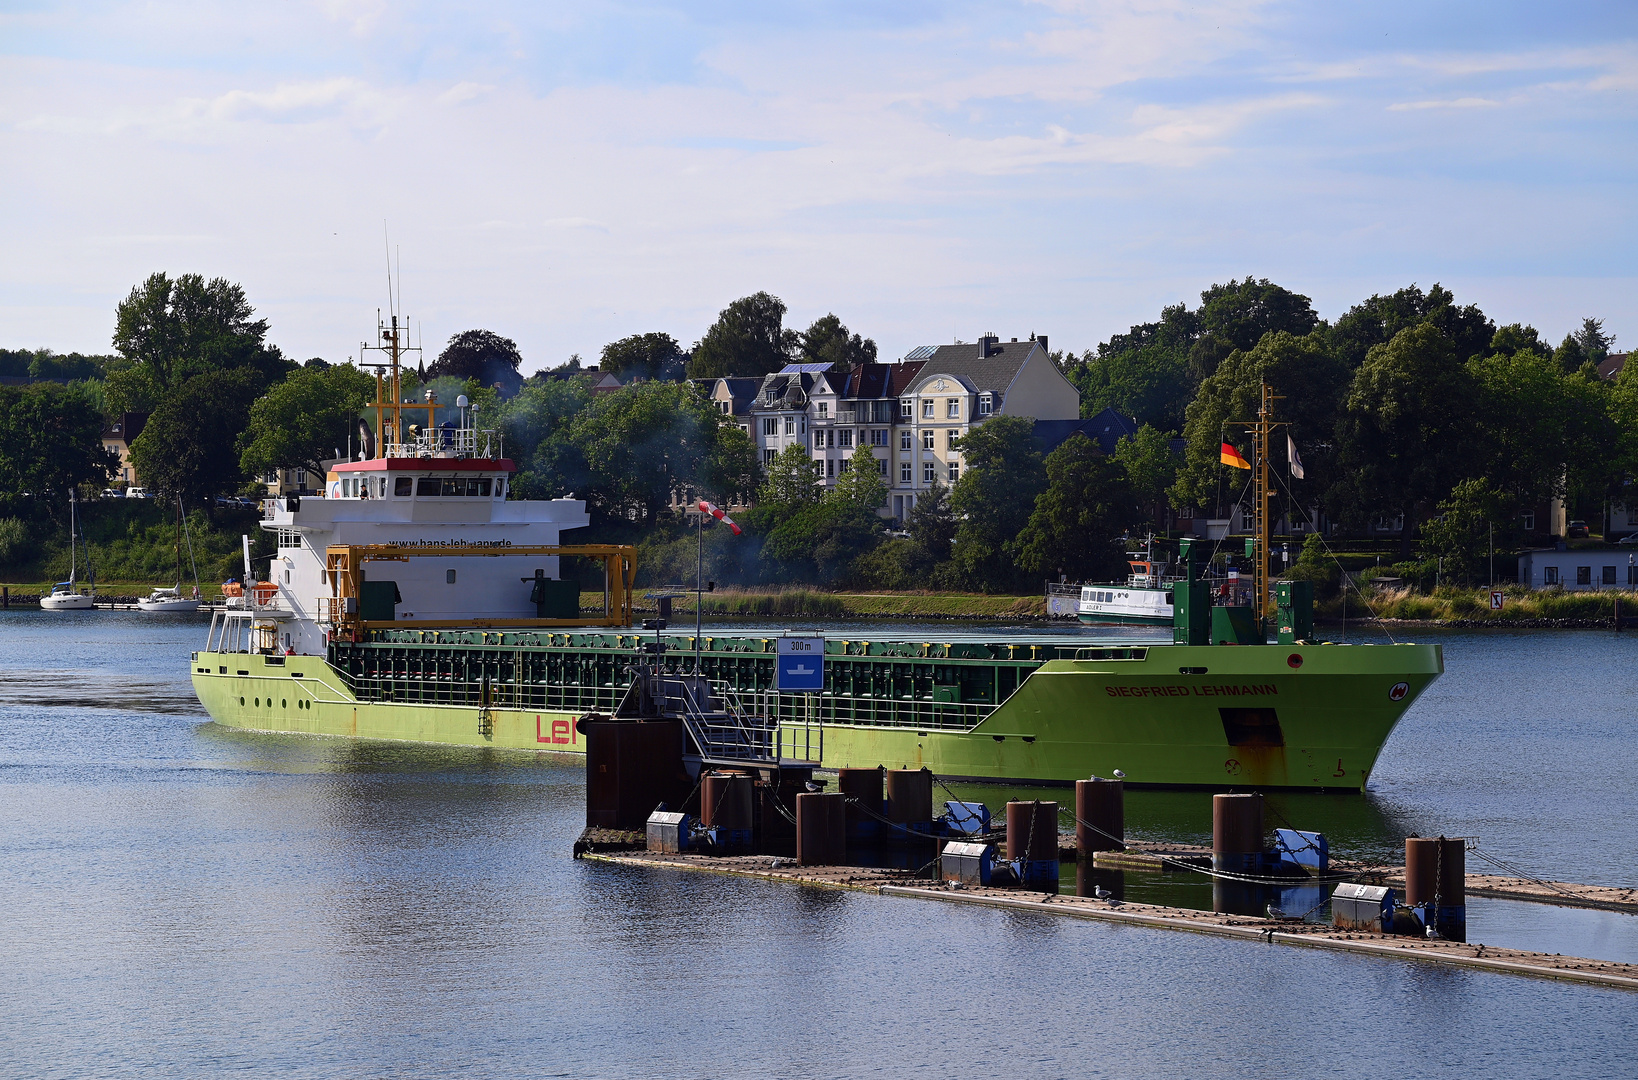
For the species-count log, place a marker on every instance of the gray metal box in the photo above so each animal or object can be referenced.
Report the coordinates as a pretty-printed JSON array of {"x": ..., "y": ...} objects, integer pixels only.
[
  {"x": 1362, "y": 907},
  {"x": 667, "y": 831},
  {"x": 968, "y": 863}
]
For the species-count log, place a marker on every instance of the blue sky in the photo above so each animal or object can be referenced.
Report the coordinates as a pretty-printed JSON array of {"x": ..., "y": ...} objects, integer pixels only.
[{"x": 567, "y": 174}]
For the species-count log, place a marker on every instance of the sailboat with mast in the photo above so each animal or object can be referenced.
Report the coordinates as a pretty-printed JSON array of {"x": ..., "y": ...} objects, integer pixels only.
[
  {"x": 66, "y": 595},
  {"x": 172, "y": 600}
]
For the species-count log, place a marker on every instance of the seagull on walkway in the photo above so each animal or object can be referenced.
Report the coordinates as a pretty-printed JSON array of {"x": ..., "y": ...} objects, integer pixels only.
[
  {"x": 1101, "y": 893},
  {"x": 1275, "y": 913}
]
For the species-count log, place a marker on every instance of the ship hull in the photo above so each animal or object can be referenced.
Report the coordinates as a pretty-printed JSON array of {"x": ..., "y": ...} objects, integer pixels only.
[
  {"x": 1118, "y": 618},
  {"x": 1165, "y": 715}
]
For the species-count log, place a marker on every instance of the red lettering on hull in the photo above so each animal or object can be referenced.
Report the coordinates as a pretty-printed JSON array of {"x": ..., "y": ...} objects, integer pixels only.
[{"x": 563, "y": 733}]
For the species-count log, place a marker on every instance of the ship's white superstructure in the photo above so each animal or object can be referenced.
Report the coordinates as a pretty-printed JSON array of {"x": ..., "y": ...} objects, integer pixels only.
[
  {"x": 415, "y": 487},
  {"x": 414, "y": 501}
]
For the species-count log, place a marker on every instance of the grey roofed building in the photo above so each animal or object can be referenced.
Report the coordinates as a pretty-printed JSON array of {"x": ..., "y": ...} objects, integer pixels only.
[
  {"x": 1105, "y": 430},
  {"x": 741, "y": 393},
  {"x": 989, "y": 363}
]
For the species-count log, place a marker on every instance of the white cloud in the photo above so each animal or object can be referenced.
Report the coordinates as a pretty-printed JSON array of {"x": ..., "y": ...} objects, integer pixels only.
[
  {"x": 1458, "y": 103},
  {"x": 461, "y": 93},
  {"x": 1065, "y": 166}
]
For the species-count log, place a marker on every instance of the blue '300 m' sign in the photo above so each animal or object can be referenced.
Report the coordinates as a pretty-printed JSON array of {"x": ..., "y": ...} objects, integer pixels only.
[{"x": 801, "y": 665}]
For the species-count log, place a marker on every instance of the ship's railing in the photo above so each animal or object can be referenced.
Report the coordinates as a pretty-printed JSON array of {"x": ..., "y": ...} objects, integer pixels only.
[
  {"x": 923, "y": 714},
  {"x": 720, "y": 731},
  {"x": 1106, "y": 653},
  {"x": 800, "y": 742},
  {"x": 522, "y": 678},
  {"x": 449, "y": 442}
]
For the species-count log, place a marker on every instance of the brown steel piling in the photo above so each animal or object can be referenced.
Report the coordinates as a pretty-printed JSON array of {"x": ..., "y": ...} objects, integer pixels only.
[
  {"x": 1032, "y": 841},
  {"x": 910, "y": 797},
  {"x": 1236, "y": 833},
  {"x": 1100, "y": 816},
  {"x": 864, "y": 786}
]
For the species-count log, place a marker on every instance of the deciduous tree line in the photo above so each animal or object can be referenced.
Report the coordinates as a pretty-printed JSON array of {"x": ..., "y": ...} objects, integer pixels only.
[{"x": 1409, "y": 404}]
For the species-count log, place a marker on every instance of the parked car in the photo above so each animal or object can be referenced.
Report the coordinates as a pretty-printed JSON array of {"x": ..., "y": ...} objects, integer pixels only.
[
  {"x": 1577, "y": 530},
  {"x": 137, "y": 493},
  {"x": 1629, "y": 540},
  {"x": 112, "y": 493}
]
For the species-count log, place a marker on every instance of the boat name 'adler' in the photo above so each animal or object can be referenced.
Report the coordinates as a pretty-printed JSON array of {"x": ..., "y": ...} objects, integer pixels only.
[{"x": 1209, "y": 690}]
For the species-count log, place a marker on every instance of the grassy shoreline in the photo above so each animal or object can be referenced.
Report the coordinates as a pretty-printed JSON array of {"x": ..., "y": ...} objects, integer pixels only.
[{"x": 1522, "y": 608}]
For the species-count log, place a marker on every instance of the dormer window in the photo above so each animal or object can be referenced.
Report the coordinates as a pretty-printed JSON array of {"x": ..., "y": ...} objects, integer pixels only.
[{"x": 986, "y": 404}]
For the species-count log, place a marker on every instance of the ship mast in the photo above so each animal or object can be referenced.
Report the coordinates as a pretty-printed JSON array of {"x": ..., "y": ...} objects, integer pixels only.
[
  {"x": 389, "y": 394},
  {"x": 1262, "y": 438}
]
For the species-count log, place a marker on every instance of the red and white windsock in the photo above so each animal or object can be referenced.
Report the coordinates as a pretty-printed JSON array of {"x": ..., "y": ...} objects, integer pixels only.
[{"x": 716, "y": 511}]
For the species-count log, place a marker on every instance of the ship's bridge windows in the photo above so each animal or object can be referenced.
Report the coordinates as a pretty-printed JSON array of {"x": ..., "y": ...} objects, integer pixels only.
[
  {"x": 479, "y": 486},
  {"x": 402, "y": 486}
]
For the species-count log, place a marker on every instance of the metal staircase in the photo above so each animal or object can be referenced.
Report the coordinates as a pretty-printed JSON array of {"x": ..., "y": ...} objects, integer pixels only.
[{"x": 721, "y": 730}]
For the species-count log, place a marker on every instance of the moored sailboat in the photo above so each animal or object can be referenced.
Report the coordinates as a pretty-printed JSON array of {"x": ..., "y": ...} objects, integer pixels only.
[{"x": 66, "y": 595}]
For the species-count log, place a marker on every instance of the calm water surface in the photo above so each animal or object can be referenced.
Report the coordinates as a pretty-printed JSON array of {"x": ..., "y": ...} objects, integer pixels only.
[{"x": 178, "y": 899}]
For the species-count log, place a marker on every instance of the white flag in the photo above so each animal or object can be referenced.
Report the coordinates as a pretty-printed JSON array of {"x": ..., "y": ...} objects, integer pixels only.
[{"x": 1292, "y": 458}]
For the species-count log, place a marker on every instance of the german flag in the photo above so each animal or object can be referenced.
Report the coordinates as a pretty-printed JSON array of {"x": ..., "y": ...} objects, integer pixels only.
[{"x": 1231, "y": 456}]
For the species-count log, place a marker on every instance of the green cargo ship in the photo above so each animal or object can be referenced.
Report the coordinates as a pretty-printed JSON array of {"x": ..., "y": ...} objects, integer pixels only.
[
  {"x": 1052, "y": 711},
  {"x": 415, "y": 601}
]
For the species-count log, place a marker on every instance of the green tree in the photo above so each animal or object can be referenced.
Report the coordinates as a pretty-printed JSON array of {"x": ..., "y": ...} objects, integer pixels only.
[
  {"x": 932, "y": 524},
  {"x": 1515, "y": 337},
  {"x": 1237, "y": 316},
  {"x": 644, "y": 356},
  {"x": 50, "y": 442},
  {"x": 1380, "y": 319},
  {"x": 1405, "y": 430},
  {"x": 790, "y": 481},
  {"x": 1524, "y": 413},
  {"x": 730, "y": 472},
  {"x": 748, "y": 339},
  {"x": 303, "y": 420},
  {"x": 1460, "y": 535},
  {"x": 535, "y": 432},
  {"x": 1078, "y": 521},
  {"x": 1151, "y": 384},
  {"x": 643, "y": 444},
  {"x": 168, "y": 331},
  {"x": 1311, "y": 383},
  {"x": 189, "y": 446},
  {"x": 1151, "y": 469},
  {"x": 821, "y": 542},
  {"x": 483, "y": 356},
  {"x": 1317, "y": 565},
  {"x": 1585, "y": 345},
  {"x": 993, "y": 501},
  {"x": 862, "y": 483},
  {"x": 828, "y": 341}
]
